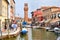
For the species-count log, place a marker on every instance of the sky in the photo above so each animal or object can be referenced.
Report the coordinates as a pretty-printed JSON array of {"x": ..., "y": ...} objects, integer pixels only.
[{"x": 33, "y": 5}]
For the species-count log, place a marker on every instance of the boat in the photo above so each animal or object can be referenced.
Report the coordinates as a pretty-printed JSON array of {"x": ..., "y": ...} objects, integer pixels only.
[
  {"x": 10, "y": 34},
  {"x": 57, "y": 30},
  {"x": 47, "y": 28},
  {"x": 58, "y": 38}
]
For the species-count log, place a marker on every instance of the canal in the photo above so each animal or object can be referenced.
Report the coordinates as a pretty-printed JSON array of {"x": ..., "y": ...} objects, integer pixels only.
[{"x": 36, "y": 34}]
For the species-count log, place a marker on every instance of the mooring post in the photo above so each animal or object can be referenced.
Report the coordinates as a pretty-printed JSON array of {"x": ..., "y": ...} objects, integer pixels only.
[
  {"x": 8, "y": 27},
  {"x": 20, "y": 29},
  {"x": 20, "y": 25}
]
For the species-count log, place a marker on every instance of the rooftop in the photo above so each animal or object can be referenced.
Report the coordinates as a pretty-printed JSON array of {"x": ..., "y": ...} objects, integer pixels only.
[
  {"x": 7, "y": 1},
  {"x": 56, "y": 11},
  {"x": 46, "y": 8}
]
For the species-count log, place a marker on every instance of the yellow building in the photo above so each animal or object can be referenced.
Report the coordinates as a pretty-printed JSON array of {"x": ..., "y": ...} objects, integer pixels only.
[{"x": 3, "y": 10}]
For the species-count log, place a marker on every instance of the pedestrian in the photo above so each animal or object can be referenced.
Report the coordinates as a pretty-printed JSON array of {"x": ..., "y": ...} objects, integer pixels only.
[
  {"x": 10, "y": 26},
  {"x": 5, "y": 26},
  {"x": 14, "y": 26}
]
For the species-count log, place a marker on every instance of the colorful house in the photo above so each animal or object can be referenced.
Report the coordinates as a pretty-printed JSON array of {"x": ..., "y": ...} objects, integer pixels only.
[{"x": 37, "y": 16}]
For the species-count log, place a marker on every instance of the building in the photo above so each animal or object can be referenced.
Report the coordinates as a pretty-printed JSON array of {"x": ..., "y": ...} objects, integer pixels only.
[
  {"x": 55, "y": 16},
  {"x": 49, "y": 12},
  {"x": 37, "y": 13},
  {"x": 3, "y": 10},
  {"x": 12, "y": 9},
  {"x": 37, "y": 16},
  {"x": 26, "y": 12},
  {"x": 17, "y": 19},
  {"x": 29, "y": 20}
]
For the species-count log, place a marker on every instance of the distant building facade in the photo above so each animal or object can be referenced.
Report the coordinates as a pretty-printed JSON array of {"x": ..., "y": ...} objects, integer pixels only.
[
  {"x": 37, "y": 16},
  {"x": 47, "y": 12},
  {"x": 51, "y": 14}
]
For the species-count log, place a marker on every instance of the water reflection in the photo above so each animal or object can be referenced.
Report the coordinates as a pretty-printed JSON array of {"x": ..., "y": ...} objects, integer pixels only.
[
  {"x": 37, "y": 34},
  {"x": 42, "y": 34}
]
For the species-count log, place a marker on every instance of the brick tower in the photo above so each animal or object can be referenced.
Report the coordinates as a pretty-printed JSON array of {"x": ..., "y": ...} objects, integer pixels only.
[{"x": 26, "y": 12}]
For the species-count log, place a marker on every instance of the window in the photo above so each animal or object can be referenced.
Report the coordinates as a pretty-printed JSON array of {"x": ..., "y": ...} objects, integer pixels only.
[
  {"x": 54, "y": 16},
  {"x": 51, "y": 16},
  {"x": 11, "y": 6},
  {"x": 59, "y": 15},
  {"x": 58, "y": 22}
]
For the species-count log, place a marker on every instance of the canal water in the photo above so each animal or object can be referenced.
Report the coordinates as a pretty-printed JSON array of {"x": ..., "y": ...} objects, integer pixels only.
[{"x": 36, "y": 34}]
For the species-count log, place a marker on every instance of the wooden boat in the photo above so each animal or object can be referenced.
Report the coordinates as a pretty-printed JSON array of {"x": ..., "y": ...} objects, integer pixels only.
[{"x": 10, "y": 34}]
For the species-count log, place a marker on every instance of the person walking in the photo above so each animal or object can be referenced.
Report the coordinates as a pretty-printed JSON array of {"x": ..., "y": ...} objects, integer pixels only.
[
  {"x": 14, "y": 26},
  {"x": 5, "y": 26}
]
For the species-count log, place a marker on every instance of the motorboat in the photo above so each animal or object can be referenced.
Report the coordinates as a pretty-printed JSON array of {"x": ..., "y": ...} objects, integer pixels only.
[
  {"x": 47, "y": 28},
  {"x": 57, "y": 30},
  {"x": 58, "y": 38}
]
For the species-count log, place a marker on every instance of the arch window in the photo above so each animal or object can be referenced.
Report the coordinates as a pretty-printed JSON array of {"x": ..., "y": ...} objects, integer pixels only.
[
  {"x": 51, "y": 16},
  {"x": 54, "y": 16},
  {"x": 59, "y": 15}
]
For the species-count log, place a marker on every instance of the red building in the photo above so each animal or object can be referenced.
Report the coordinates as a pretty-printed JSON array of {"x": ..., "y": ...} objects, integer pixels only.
[{"x": 38, "y": 14}]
